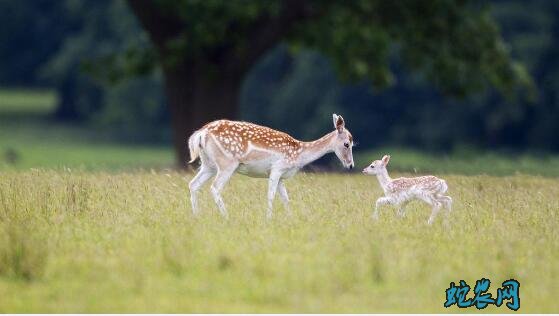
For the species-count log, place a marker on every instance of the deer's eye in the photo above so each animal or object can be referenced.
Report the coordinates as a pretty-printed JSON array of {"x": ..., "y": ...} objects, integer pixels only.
[
  {"x": 372, "y": 166},
  {"x": 346, "y": 145}
]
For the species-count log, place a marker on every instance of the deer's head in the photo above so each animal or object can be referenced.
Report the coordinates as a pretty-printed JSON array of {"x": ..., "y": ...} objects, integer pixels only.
[
  {"x": 377, "y": 166},
  {"x": 343, "y": 143}
]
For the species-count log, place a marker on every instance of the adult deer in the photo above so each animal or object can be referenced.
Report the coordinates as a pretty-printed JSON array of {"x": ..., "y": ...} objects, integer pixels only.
[{"x": 225, "y": 147}]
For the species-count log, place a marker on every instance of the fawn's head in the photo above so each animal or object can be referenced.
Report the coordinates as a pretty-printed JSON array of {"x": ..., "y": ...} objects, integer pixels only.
[
  {"x": 377, "y": 166},
  {"x": 343, "y": 143}
]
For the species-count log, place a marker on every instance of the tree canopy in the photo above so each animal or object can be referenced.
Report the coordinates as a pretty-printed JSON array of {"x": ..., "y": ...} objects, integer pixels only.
[
  {"x": 208, "y": 47},
  {"x": 424, "y": 73},
  {"x": 456, "y": 44}
]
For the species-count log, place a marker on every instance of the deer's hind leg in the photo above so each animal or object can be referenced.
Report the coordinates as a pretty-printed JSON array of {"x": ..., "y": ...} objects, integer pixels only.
[
  {"x": 446, "y": 201},
  {"x": 203, "y": 175},
  {"x": 224, "y": 173},
  {"x": 434, "y": 202},
  {"x": 436, "y": 208},
  {"x": 284, "y": 197}
]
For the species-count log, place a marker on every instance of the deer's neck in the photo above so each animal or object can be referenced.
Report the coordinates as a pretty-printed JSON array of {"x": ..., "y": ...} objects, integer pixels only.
[
  {"x": 384, "y": 179},
  {"x": 311, "y": 151}
]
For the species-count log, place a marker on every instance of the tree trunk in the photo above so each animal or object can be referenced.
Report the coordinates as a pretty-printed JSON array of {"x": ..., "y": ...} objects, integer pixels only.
[
  {"x": 195, "y": 96},
  {"x": 195, "y": 100}
]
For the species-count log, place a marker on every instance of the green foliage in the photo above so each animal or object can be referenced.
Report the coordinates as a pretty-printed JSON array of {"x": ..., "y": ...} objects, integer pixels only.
[
  {"x": 127, "y": 242},
  {"x": 210, "y": 28},
  {"x": 32, "y": 31},
  {"x": 455, "y": 44},
  {"x": 92, "y": 69},
  {"x": 103, "y": 67},
  {"x": 296, "y": 92}
]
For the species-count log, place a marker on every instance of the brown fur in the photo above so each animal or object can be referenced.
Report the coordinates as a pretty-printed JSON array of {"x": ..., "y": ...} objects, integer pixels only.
[{"x": 234, "y": 137}]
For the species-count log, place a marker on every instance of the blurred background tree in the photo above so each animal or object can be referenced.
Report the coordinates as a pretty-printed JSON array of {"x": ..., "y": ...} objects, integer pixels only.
[
  {"x": 424, "y": 74},
  {"x": 206, "y": 48}
]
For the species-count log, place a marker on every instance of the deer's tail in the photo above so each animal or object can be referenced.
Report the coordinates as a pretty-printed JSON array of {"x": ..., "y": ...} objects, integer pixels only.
[
  {"x": 444, "y": 187},
  {"x": 195, "y": 142}
]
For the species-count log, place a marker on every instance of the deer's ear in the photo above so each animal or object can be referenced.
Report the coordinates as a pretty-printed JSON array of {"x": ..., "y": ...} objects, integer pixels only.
[
  {"x": 385, "y": 159},
  {"x": 339, "y": 122},
  {"x": 335, "y": 119}
]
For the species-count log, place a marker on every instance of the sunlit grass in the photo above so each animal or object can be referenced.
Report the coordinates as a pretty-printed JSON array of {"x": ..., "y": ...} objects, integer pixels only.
[{"x": 127, "y": 242}]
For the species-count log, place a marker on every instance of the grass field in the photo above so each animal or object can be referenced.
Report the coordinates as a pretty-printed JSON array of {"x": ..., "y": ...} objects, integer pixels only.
[
  {"x": 127, "y": 242},
  {"x": 30, "y": 138},
  {"x": 88, "y": 224}
]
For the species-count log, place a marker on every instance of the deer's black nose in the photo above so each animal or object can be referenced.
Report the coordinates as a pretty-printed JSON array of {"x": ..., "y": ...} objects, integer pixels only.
[{"x": 350, "y": 166}]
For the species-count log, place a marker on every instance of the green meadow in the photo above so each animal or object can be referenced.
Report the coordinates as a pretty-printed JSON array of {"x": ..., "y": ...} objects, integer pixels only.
[
  {"x": 88, "y": 224},
  {"x": 127, "y": 242}
]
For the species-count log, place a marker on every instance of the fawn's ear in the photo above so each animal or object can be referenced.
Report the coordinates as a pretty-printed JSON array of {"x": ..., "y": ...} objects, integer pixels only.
[
  {"x": 339, "y": 122},
  {"x": 385, "y": 159}
]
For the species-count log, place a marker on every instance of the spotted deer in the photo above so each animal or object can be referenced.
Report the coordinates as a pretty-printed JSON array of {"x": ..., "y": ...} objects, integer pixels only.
[
  {"x": 400, "y": 191},
  {"x": 225, "y": 147}
]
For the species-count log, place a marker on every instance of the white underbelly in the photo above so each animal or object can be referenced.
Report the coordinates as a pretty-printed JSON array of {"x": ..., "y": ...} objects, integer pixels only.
[
  {"x": 256, "y": 169},
  {"x": 260, "y": 168}
]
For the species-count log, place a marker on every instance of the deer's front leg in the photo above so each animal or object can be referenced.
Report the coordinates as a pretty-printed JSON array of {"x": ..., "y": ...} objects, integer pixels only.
[
  {"x": 380, "y": 202},
  {"x": 273, "y": 182}
]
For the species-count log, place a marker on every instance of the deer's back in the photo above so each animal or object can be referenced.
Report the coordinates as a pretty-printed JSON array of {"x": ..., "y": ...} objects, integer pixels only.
[
  {"x": 235, "y": 137},
  {"x": 425, "y": 183}
]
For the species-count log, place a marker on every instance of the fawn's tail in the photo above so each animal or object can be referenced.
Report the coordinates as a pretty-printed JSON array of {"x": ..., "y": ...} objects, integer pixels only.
[{"x": 443, "y": 187}]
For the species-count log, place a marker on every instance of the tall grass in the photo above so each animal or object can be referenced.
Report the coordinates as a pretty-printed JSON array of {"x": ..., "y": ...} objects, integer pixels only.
[
  {"x": 23, "y": 253},
  {"x": 127, "y": 242}
]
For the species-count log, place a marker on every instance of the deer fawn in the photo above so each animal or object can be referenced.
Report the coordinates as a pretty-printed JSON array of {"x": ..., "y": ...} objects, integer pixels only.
[
  {"x": 225, "y": 147},
  {"x": 402, "y": 190}
]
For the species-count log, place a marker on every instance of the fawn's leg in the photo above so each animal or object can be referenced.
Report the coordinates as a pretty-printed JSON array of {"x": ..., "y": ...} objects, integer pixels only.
[
  {"x": 436, "y": 208},
  {"x": 402, "y": 208},
  {"x": 446, "y": 201},
  {"x": 380, "y": 202},
  {"x": 431, "y": 200}
]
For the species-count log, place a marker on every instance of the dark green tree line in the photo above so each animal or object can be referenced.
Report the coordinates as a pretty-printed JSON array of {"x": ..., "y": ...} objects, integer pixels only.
[
  {"x": 393, "y": 69},
  {"x": 207, "y": 47}
]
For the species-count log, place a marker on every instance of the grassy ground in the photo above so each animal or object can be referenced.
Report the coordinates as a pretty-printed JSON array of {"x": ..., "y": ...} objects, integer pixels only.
[
  {"x": 126, "y": 242},
  {"x": 29, "y": 138}
]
